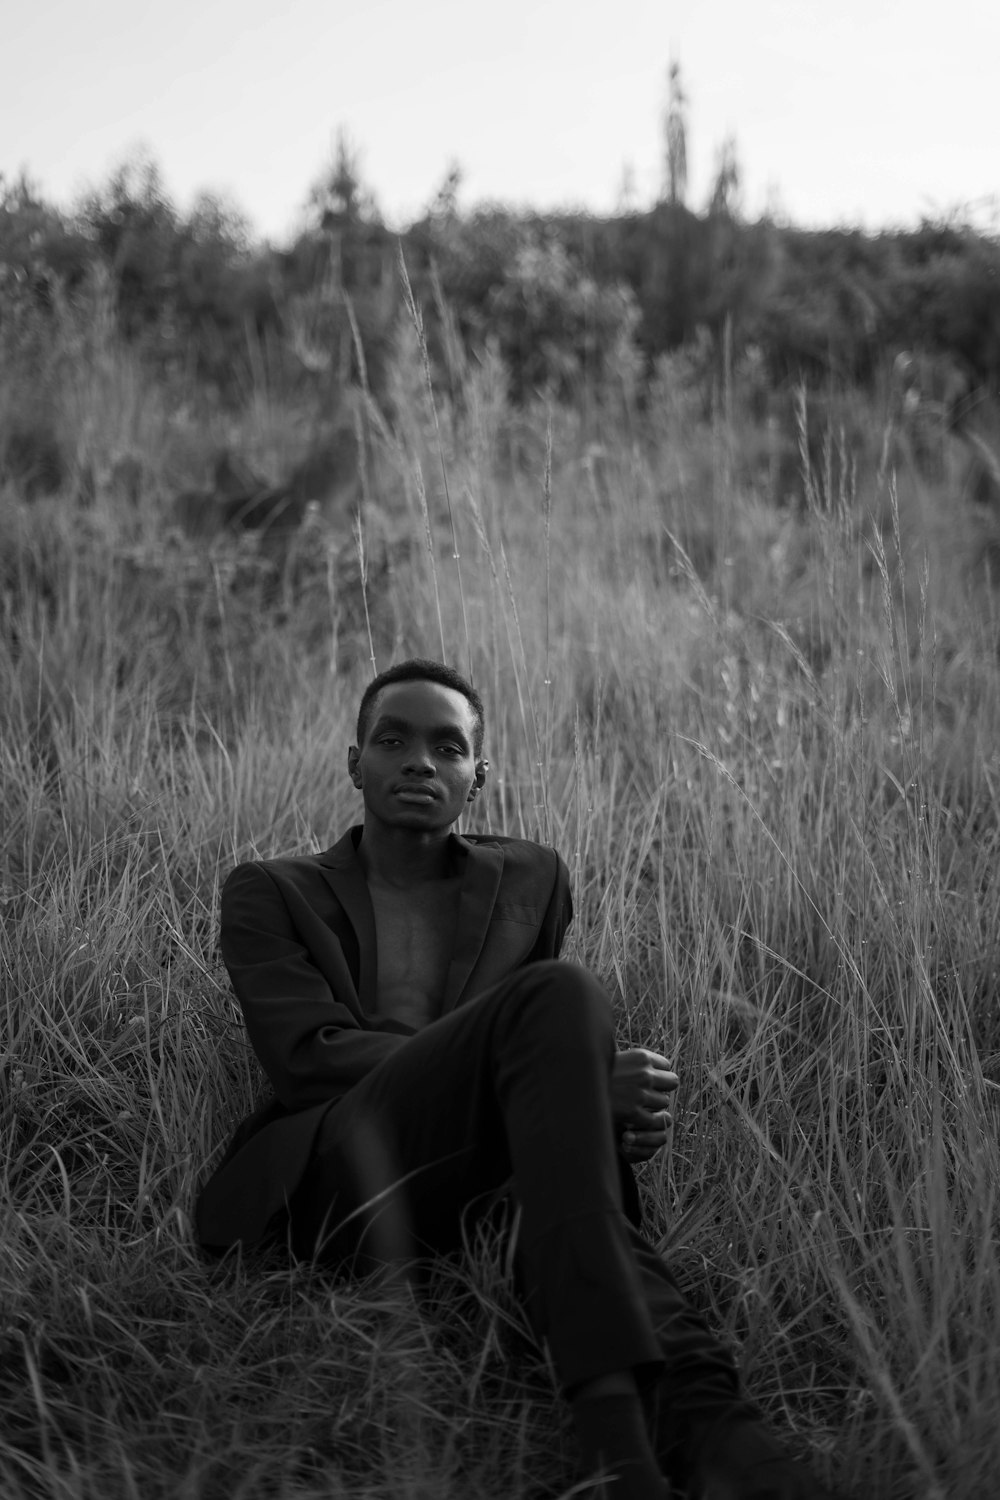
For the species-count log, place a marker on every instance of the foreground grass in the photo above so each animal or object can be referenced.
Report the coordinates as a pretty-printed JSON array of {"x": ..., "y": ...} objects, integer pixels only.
[{"x": 765, "y": 744}]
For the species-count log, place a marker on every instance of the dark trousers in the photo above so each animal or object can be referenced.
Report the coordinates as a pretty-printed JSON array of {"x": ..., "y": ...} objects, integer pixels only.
[{"x": 515, "y": 1084}]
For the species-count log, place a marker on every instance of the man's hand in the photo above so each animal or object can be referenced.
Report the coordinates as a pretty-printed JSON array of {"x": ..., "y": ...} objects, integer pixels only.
[{"x": 641, "y": 1085}]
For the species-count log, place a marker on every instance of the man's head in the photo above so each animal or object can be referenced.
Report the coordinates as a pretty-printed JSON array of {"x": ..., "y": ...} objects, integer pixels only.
[
  {"x": 418, "y": 760},
  {"x": 420, "y": 669}
]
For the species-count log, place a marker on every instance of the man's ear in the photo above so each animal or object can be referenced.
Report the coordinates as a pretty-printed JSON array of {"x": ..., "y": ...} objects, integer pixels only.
[
  {"x": 354, "y": 765},
  {"x": 482, "y": 766}
]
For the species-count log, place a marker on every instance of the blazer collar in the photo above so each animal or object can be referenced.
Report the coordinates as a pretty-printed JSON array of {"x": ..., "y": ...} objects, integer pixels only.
[
  {"x": 344, "y": 853},
  {"x": 483, "y": 868}
]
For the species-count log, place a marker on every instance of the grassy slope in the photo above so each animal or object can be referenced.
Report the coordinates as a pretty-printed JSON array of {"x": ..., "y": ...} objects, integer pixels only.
[{"x": 766, "y": 744}]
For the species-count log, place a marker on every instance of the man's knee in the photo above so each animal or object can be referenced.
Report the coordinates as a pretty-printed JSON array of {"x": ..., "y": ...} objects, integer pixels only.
[
  {"x": 578, "y": 985},
  {"x": 563, "y": 996}
]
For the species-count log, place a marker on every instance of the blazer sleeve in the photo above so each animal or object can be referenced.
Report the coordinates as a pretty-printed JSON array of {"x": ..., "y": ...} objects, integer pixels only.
[
  {"x": 558, "y": 915},
  {"x": 303, "y": 1023}
]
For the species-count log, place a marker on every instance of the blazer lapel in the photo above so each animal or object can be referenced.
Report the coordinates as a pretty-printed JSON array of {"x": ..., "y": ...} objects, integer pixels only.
[
  {"x": 343, "y": 873},
  {"x": 483, "y": 869}
]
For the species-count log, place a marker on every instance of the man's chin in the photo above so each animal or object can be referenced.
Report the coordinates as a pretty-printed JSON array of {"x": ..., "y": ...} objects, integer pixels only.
[{"x": 428, "y": 817}]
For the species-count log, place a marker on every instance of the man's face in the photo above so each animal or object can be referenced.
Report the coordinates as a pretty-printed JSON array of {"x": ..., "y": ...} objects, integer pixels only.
[{"x": 417, "y": 768}]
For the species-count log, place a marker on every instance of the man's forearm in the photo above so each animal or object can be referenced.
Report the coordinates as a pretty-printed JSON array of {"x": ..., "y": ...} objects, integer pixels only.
[{"x": 328, "y": 1063}]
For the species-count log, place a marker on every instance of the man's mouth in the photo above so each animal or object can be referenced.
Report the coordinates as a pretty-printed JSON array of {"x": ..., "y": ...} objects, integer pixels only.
[{"x": 416, "y": 794}]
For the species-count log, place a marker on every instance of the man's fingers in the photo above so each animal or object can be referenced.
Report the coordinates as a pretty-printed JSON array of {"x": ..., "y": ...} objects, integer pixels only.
[
  {"x": 649, "y": 1119},
  {"x": 664, "y": 1080},
  {"x": 652, "y": 1062},
  {"x": 656, "y": 1072},
  {"x": 659, "y": 1089},
  {"x": 644, "y": 1137},
  {"x": 640, "y": 1145},
  {"x": 641, "y": 1080},
  {"x": 641, "y": 1059},
  {"x": 640, "y": 1140}
]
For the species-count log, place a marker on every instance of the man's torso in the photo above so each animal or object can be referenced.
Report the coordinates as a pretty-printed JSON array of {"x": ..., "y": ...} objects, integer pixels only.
[{"x": 415, "y": 931}]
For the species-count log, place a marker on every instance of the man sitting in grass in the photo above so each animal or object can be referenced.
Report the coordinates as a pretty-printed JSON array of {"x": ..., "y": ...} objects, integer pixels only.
[{"x": 426, "y": 1045}]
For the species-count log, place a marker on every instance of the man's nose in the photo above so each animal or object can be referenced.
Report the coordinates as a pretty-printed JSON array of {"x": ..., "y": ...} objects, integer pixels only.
[{"x": 419, "y": 762}]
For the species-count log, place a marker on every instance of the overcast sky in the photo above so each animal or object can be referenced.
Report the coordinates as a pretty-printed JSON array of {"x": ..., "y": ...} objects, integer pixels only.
[{"x": 864, "y": 111}]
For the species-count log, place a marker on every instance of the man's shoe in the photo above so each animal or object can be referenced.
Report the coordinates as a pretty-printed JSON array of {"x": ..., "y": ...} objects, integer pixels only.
[{"x": 741, "y": 1460}]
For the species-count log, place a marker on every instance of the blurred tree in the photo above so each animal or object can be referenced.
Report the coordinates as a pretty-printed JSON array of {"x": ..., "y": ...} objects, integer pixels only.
[
  {"x": 443, "y": 207},
  {"x": 133, "y": 225},
  {"x": 222, "y": 292},
  {"x": 38, "y": 247},
  {"x": 824, "y": 316},
  {"x": 557, "y": 328},
  {"x": 739, "y": 263},
  {"x": 339, "y": 279},
  {"x": 216, "y": 220},
  {"x": 675, "y": 135},
  {"x": 627, "y": 194},
  {"x": 725, "y": 198},
  {"x": 661, "y": 257},
  {"x": 947, "y": 295},
  {"x": 340, "y": 196},
  {"x": 193, "y": 290}
]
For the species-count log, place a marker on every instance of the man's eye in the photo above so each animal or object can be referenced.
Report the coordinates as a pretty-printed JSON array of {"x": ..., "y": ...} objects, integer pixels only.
[{"x": 451, "y": 749}]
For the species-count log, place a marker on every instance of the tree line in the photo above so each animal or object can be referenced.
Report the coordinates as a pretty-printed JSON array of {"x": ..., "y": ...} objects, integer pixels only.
[{"x": 565, "y": 297}]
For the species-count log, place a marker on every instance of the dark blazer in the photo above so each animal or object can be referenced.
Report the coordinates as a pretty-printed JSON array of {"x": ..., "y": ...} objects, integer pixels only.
[{"x": 298, "y": 939}]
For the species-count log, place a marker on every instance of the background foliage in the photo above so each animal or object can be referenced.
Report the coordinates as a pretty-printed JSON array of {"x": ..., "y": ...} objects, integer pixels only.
[
  {"x": 741, "y": 656},
  {"x": 557, "y": 292}
]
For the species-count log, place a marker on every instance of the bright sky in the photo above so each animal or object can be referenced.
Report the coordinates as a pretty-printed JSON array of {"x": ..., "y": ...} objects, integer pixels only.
[{"x": 861, "y": 111}]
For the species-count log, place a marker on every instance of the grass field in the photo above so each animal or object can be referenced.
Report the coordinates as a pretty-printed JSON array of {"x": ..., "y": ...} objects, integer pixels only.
[{"x": 766, "y": 740}]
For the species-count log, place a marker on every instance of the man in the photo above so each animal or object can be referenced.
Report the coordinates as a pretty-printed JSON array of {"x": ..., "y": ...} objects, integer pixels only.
[{"x": 426, "y": 1046}]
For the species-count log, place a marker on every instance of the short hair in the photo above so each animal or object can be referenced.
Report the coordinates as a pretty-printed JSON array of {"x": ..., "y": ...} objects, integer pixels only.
[{"x": 420, "y": 669}]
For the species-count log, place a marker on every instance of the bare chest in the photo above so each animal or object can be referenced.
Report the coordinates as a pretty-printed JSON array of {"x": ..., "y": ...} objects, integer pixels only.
[{"x": 415, "y": 932}]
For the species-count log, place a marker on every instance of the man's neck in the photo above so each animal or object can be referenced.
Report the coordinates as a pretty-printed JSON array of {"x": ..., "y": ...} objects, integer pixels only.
[{"x": 400, "y": 857}]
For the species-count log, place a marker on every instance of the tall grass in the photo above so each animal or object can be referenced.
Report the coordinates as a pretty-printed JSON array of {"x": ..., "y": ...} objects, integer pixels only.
[{"x": 765, "y": 742}]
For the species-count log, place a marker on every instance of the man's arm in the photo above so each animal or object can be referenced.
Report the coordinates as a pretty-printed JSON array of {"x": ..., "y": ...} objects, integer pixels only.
[
  {"x": 305, "y": 1025},
  {"x": 558, "y": 916}
]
